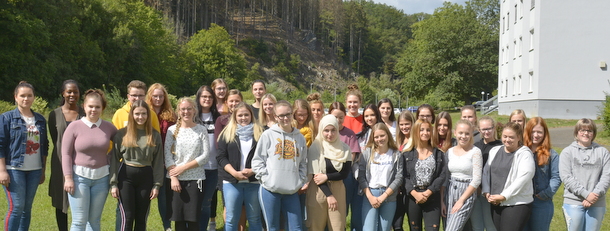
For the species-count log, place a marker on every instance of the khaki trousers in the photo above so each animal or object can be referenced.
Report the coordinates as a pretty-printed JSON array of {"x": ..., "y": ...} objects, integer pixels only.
[{"x": 318, "y": 214}]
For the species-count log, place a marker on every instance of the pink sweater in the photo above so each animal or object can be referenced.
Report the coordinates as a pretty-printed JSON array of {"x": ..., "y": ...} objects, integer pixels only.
[{"x": 85, "y": 146}]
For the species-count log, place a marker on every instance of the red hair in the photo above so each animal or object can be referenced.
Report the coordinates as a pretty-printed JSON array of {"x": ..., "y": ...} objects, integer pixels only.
[{"x": 542, "y": 152}]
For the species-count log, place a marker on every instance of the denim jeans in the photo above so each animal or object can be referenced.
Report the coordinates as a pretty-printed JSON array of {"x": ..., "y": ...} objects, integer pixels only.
[
  {"x": 481, "y": 215},
  {"x": 209, "y": 187},
  {"x": 273, "y": 204},
  {"x": 236, "y": 195},
  {"x": 354, "y": 201},
  {"x": 380, "y": 217},
  {"x": 580, "y": 218},
  {"x": 542, "y": 214},
  {"x": 87, "y": 202},
  {"x": 20, "y": 194}
]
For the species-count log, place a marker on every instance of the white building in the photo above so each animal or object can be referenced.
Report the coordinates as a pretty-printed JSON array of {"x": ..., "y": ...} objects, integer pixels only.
[{"x": 554, "y": 57}]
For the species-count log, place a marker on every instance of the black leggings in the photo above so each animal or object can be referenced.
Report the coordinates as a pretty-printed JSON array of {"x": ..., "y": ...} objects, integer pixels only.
[
  {"x": 135, "y": 184},
  {"x": 401, "y": 209},
  {"x": 510, "y": 217},
  {"x": 429, "y": 211}
]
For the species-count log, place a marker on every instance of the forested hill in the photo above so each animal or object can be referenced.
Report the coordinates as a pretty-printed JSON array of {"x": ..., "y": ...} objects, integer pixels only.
[{"x": 296, "y": 44}]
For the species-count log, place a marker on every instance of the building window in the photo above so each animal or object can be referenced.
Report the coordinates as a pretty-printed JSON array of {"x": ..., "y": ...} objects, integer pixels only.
[
  {"x": 521, "y": 9},
  {"x": 520, "y": 45},
  {"x": 515, "y": 51},
  {"x": 516, "y": 13},
  {"x": 507, "y": 51},
  {"x": 501, "y": 93},
  {"x": 502, "y": 26},
  {"x": 533, "y": 4},
  {"x": 506, "y": 88},
  {"x": 502, "y": 57},
  {"x": 531, "y": 39},
  {"x": 519, "y": 84},
  {"x": 531, "y": 90},
  {"x": 507, "y": 21},
  {"x": 514, "y": 85}
]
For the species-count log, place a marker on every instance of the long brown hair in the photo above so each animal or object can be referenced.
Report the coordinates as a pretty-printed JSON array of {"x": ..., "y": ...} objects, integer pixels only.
[
  {"x": 408, "y": 116},
  {"x": 417, "y": 142},
  {"x": 436, "y": 138},
  {"x": 167, "y": 113},
  {"x": 371, "y": 142},
  {"x": 131, "y": 136},
  {"x": 542, "y": 151}
]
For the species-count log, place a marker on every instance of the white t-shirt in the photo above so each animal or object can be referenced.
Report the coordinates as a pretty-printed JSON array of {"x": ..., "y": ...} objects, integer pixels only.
[
  {"x": 31, "y": 159},
  {"x": 381, "y": 169},
  {"x": 467, "y": 166}
]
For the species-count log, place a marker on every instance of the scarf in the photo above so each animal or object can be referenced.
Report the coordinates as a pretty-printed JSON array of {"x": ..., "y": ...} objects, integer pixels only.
[
  {"x": 245, "y": 133},
  {"x": 334, "y": 150}
]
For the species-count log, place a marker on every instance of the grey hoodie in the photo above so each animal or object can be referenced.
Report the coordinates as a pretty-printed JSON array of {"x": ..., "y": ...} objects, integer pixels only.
[
  {"x": 280, "y": 160},
  {"x": 584, "y": 170}
]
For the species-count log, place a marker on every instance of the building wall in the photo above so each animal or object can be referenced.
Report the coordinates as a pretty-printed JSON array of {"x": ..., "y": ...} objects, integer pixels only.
[{"x": 560, "y": 68}]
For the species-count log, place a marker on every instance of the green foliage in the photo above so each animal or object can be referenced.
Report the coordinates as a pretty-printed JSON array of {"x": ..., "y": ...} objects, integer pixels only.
[
  {"x": 6, "y": 106},
  {"x": 256, "y": 48},
  {"x": 41, "y": 106},
  {"x": 605, "y": 114},
  {"x": 114, "y": 99}
]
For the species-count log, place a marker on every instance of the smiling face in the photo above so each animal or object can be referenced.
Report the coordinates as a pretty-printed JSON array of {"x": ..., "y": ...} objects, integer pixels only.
[
  {"x": 243, "y": 116},
  {"x": 425, "y": 132},
  {"x": 232, "y": 101},
  {"x": 510, "y": 140},
  {"x": 186, "y": 110},
  {"x": 93, "y": 109},
  {"x": 584, "y": 137},
  {"x": 206, "y": 100},
  {"x": 258, "y": 90},
  {"x": 463, "y": 134},
  {"x": 301, "y": 116},
  {"x": 140, "y": 115},
  {"x": 405, "y": 127},
  {"x": 369, "y": 117},
  {"x": 386, "y": 110},
  {"x": 158, "y": 97},
  {"x": 317, "y": 111},
  {"x": 425, "y": 114},
  {"x": 340, "y": 115},
  {"x": 136, "y": 94},
  {"x": 24, "y": 97},
  {"x": 268, "y": 105},
  {"x": 330, "y": 133},
  {"x": 537, "y": 134},
  {"x": 381, "y": 138},
  {"x": 487, "y": 130},
  {"x": 220, "y": 90},
  {"x": 71, "y": 94},
  {"x": 353, "y": 104},
  {"x": 469, "y": 115},
  {"x": 283, "y": 115},
  {"x": 442, "y": 127},
  {"x": 519, "y": 119}
]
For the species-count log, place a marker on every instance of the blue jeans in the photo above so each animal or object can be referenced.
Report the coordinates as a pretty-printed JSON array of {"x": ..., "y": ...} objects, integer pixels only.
[
  {"x": 209, "y": 187},
  {"x": 272, "y": 203},
  {"x": 374, "y": 218},
  {"x": 481, "y": 215},
  {"x": 20, "y": 194},
  {"x": 236, "y": 195},
  {"x": 580, "y": 218},
  {"x": 87, "y": 202},
  {"x": 354, "y": 201},
  {"x": 542, "y": 214}
]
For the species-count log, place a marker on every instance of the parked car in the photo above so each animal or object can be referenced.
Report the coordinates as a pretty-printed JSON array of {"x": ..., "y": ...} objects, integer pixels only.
[
  {"x": 413, "y": 109},
  {"x": 478, "y": 104}
]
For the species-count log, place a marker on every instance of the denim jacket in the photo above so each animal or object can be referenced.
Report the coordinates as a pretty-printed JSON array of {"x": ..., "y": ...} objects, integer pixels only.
[
  {"x": 547, "y": 180},
  {"x": 13, "y": 137}
]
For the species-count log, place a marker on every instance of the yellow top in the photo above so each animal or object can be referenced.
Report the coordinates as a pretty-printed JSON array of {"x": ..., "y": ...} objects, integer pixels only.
[
  {"x": 121, "y": 116},
  {"x": 308, "y": 134}
]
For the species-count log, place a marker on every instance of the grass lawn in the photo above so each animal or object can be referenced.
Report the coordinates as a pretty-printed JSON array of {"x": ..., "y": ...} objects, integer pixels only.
[{"x": 43, "y": 214}]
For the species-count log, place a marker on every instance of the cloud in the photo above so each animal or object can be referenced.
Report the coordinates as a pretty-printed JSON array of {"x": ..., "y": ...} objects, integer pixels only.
[{"x": 416, "y": 6}]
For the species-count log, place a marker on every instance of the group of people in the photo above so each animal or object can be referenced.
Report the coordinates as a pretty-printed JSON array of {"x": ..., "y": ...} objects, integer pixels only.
[{"x": 288, "y": 166}]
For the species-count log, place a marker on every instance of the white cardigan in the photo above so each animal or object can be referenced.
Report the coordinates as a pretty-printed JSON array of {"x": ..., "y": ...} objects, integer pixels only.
[{"x": 518, "y": 188}]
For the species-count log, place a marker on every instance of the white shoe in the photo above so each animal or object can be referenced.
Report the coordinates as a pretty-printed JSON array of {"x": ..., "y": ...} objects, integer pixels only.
[{"x": 212, "y": 226}]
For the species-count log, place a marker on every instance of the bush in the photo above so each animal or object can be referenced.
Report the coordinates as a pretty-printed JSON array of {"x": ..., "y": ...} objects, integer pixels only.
[
  {"x": 114, "y": 98},
  {"x": 6, "y": 106},
  {"x": 606, "y": 114},
  {"x": 40, "y": 105}
]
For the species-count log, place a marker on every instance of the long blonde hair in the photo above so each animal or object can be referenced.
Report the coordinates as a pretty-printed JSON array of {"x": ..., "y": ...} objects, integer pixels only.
[
  {"x": 131, "y": 135},
  {"x": 262, "y": 116},
  {"x": 229, "y": 132},
  {"x": 371, "y": 142},
  {"x": 196, "y": 118}
]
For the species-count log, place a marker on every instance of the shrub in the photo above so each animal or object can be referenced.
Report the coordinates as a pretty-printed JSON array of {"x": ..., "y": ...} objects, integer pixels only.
[
  {"x": 605, "y": 114},
  {"x": 6, "y": 106},
  {"x": 40, "y": 105}
]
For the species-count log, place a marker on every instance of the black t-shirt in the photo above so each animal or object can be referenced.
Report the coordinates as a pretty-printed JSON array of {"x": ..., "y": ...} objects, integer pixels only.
[
  {"x": 500, "y": 167},
  {"x": 485, "y": 148}
]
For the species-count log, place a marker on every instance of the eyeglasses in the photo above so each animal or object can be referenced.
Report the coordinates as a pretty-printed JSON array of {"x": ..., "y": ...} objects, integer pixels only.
[
  {"x": 284, "y": 116},
  {"x": 137, "y": 96},
  {"x": 157, "y": 97},
  {"x": 487, "y": 129},
  {"x": 188, "y": 109},
  {"x": 583, "y": 131}
]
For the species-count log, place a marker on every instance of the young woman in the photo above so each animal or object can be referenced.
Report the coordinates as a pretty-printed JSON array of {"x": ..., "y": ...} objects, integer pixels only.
[
  {"x": 426, "y": 112},
  {"x": 85, "y": 162},
  {"x": 266, "y": 117},
  {"x": 354, "y": 200},
  {"x": 547, "y": 180},
  {"x": 404, "y": 142},
  {"x": 236, "y": 146},
  {"x": 208, "y": 115},
  {"x": 584, "y": 168},
  {"x": 329, "y": 163},
  {"x": 186, "y": 151},
  {"x": 234, "y": 97},
  {"x": 507, "y": 180},
  {"x": 481, "y": 213},
  {"x": 425, "y": 172},
  {"x": 258, "y": 90},
  {"x": 59, "y": 119},
  {"x": 220, "y": 88},
  {"x": 158, "y": 98},
  {"x": 464, "y": 165},
  {"x": 302, "y": 119},
  {"x": 380, "y": 175},
  {"x": 317, "y": 110},
  {"x": 136, "y": 168},
  {"x": 280, "y": 165},
  {"x": 371, "y": 116},
  {"x": 441, "y": 137},
  {"x": 386, "y": 108},
  {"x": 23, "y": 153},
  {"x": 518, "y": 116},
  {"x": 353, "y": 100}
]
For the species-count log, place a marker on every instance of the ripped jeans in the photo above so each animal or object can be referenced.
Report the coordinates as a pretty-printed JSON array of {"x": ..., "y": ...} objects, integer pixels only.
[{"x": 430, "y": 212}]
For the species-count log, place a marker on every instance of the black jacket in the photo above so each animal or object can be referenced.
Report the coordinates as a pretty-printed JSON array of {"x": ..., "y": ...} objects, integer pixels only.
[
  {"x": 230, "y": 153},
  {"x": 440, "y": 173}
]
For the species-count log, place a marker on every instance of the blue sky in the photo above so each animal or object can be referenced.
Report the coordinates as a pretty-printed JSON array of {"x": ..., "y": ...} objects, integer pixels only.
[{"x": 416, "y": 6}]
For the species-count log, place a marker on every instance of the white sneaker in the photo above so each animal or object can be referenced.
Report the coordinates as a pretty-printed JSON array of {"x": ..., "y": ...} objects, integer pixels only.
[{"x": 212, "y": 226}]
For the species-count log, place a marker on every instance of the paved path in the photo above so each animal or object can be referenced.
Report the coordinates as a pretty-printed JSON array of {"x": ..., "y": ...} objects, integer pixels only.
[{"x": 561, "y": 137}]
